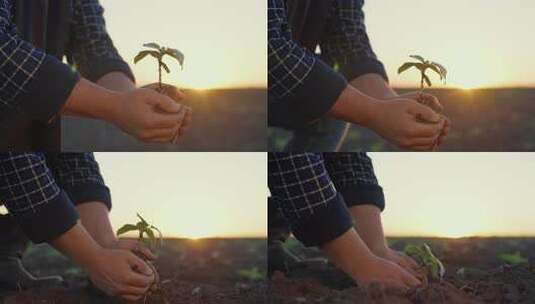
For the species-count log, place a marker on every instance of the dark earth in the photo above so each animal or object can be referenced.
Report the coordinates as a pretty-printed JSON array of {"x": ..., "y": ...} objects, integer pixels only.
[
  {"x": 207, "y": 271},
  {"x": 482, "y": 120},
  {"x": 475, "y": 273}
]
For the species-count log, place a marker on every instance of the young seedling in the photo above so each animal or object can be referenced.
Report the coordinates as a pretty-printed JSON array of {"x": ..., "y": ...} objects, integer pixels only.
[
  {"x": 423, "y": 66},
  {"x": 425, "y": 257},
  {"x": 514, "y": 259},
  {"x": 143, "y": 228},
  {"x": 159, "y": 52}
]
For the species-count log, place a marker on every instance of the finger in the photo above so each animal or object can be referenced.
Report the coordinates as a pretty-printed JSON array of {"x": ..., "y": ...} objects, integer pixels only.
[
  {"x": 161, "y": 134},
  {"x": 165, "y": 103},
  {"x": 160, "y": 120},
  {"x": 424, "y": 113},
  {"x": 140, "y": 266},
  {"x": 431, "y": 101},
  {"x": 409, "y": 261},
  {"x": 131, "y": 298},
  {"x": 133, "y": 291},
  {"x": 145, "y": 252},
  {"x": 410, "y": 280},
  {"x": 173, "y": 92},
  {"x": 419, "y": 129}
]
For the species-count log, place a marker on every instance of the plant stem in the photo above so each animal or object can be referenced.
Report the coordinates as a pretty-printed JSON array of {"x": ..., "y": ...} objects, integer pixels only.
[{"x": 160, "y": 75}]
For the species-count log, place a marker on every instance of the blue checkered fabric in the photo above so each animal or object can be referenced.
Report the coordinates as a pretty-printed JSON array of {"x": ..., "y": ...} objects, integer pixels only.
[
  {"x": 303, "y": 183},
  {"x": 289, "y": 64},
  {"x": 90, "y": 41},
  {"x": 30, "y": 180},
  {"x": 91, "y": 50},
  {"x": 19, "y": 60}
]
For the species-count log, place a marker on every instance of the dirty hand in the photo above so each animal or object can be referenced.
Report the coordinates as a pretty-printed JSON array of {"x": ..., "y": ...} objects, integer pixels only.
[
  {"x": 120, "y": 273},
  {"x": 407, "y": 124},
  {"x": 401, "y": 259},
  {"x": 379, "y": 270},
  {"x": 150, "y": 116}
]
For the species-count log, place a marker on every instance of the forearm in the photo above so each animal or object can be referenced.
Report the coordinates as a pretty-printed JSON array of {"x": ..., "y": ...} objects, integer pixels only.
[
  {"x": 354, "y": 106},
  {"x": 92, "y": 101},
  {"x": 347, "y": 252},
  {"x": 95, "y": 219},
  {"x": 374, "y": 85},
  {"x": 117, "y": 81},
  {"x": 369, "y": 226},
  {"x": 77, "y": 244}
]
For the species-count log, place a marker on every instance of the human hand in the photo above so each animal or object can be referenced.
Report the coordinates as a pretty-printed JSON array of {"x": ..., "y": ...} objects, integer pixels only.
[
  {"x": 120, "y": 273},
  {"x": 401, "y": 259},
  {"x": 380, "y": 270},
  {"x": 133, "y": 246},
  {"x": 407, "y": 124},
  {"x": 177, "y": 95},
  {"x": 150, "y": 116}
]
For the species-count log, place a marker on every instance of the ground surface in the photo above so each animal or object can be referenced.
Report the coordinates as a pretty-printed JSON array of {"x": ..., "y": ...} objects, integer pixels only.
[
  {"x": 204, "y": 271},
  {"x": 475, "y": 274},
  {"x": 223, "y": 120},
  {"x": 482, "y": 120}
]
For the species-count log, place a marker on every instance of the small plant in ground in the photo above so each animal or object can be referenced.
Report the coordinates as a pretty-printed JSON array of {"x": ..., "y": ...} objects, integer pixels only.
[
  {"x": 147, "y": 235},
  {"x": 159, "y": 52},
  {"x": 515, "y": 259},
  {"x": 425, "y": 257},
  {"x": 252, "y": 274}
]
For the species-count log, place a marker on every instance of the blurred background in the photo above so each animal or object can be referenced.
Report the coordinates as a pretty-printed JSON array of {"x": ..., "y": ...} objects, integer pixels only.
[
  {"x": 189, "y": 195},
  {"x": 457, "y": 194},
  {"x": 225, "y": 72},
  {"x": 486, "y": 48}
]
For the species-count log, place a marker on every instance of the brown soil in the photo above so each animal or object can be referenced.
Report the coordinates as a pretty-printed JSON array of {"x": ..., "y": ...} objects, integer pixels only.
[
  {"x": 474, "y": 275},
  {"x": 192, "y": 272}
]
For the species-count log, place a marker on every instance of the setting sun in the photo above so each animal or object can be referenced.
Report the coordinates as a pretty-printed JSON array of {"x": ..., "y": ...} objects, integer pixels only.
[{"x": 205, "y": 31}]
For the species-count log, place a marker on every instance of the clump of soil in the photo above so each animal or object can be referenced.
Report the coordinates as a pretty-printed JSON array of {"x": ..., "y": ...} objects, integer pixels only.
[
  {"x": 474, "y": 275},
  {"x": 191, "y": 272}
]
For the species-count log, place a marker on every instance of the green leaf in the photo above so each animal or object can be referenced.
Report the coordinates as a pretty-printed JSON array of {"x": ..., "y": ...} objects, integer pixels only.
[
  {"x": 127, "y": 228},
  {"x": 406, "y": 66},
  {"x": 178, "y": 55},
  {"x": 153, "y": 45},
  {"x": 142, "y": 219},
  {"x": 427, "y": 80},
  {"x": 435, "y": 69},
  {"x": 150, "y": 234},
  {"x": 165, "y": 67},
  {"x": 144, "y": 54},
  {"x": 442, "y": 69},
  {"x": 160, "y": 235},
  {"x": 418, "y": 57}
]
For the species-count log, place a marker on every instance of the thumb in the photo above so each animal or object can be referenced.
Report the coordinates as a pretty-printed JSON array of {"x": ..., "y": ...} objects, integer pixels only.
[
  {"x": 139, "y": 265},
  {"x": 165, "y": 103},
  {"x": 423, "y": 112}
]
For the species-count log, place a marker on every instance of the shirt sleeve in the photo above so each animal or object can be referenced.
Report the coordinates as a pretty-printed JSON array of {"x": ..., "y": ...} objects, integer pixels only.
[
  {"x": 304, "y": 192},
  {"x": 296, "y": 77},
  {"x": 32, "y": 196},
  {"x": 91, "y": 49},
  {"x": 354, "y": 177},
  {"x": 26, "y": 72},
  {"x": 78, "y": 174},
  {"x": 346, "y": 44}
]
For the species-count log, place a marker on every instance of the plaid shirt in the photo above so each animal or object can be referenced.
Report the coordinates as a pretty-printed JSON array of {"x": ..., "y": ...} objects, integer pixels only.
[
  {"x": 297, "y": 76},
  {"x": 40, "y": 190},
  {"x": 38, "y": 84},
  {"x": 313, "y": 191}
]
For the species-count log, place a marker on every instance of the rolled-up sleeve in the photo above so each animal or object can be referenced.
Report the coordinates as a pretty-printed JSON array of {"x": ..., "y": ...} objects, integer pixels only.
[
  {"x": 354, "y": 177},
  {"x": 346, "y": 43},
  {"x": 26, "y": 72},
  {"x": 78, "y": 174},
  {"x": 307, "y": 85},
  {"x": 30, "y": 193},
  {"x": 303, "y": 191},
  {"x": 91, "y": 49}
]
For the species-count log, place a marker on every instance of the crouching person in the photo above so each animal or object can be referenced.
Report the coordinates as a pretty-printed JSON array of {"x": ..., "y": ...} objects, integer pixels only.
[{"x": 61, "y": 199}]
